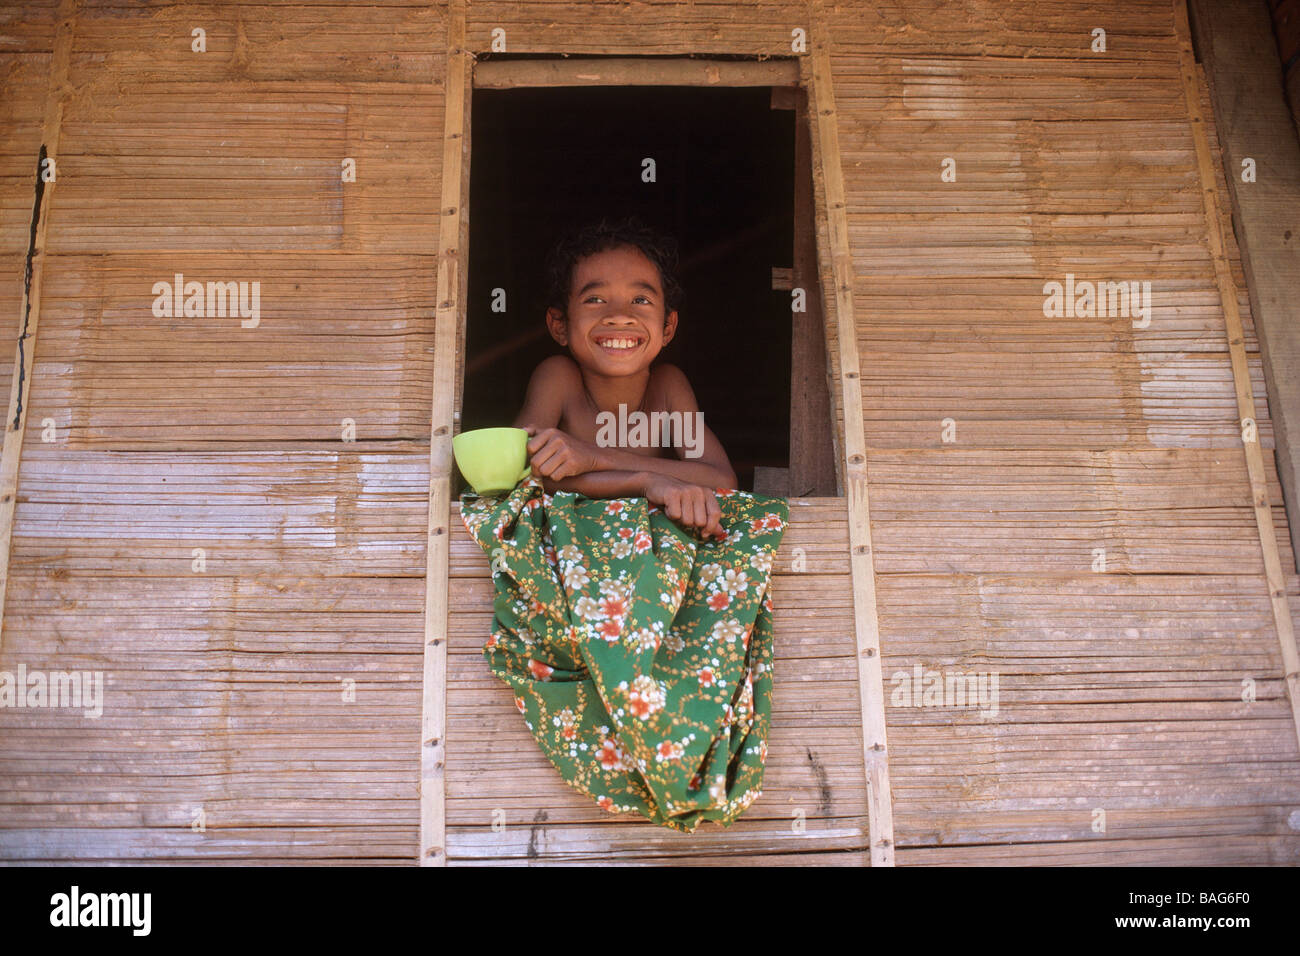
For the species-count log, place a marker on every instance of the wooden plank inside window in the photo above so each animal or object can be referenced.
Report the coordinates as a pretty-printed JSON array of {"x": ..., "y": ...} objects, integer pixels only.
[
  {"x": 633, "y": 71},
  {"x": 812, "y": 448}
]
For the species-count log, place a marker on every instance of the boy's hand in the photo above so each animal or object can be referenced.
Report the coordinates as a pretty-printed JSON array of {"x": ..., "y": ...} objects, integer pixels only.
[
  {"x": 555, "y": 454},
  {"x": 691, "y": 505}
]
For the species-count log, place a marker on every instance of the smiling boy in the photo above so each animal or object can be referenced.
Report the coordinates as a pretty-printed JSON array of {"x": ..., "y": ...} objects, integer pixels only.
[{"x": 613, "y": 303}]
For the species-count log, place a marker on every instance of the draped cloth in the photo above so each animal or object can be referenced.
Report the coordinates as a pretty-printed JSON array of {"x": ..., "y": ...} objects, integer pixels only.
[{"x": 639, "y": 653}]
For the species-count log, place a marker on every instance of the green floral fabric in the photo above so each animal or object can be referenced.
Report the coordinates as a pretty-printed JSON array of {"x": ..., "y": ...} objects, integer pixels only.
[{"x": 640, "y": 653}]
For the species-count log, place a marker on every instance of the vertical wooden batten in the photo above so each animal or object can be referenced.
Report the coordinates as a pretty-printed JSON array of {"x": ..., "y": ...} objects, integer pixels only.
[
  {"x": 448, "y": 331},
  {"x": 30, "y": 307},
  {"x": 861, "y": 561},
  {"x": 1237, "y": 51},
  {"x": 1192, "y": 90}
]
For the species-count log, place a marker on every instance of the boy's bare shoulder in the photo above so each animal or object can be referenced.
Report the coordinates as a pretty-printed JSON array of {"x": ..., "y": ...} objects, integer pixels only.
[
  {"x": 551, "y": 390},
  {"x": 558, "y": 369},
  {"x": 675, "y": 385},
  {"x": 668, "y": 373}
]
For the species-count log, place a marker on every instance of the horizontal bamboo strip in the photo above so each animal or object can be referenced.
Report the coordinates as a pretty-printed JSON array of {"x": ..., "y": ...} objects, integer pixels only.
[
  {"x": 633, "y": 71},
  {"x": 749, "y": 859},
  {"x": 143, "y": 844},
  {"x": 1247, "y": 850}
]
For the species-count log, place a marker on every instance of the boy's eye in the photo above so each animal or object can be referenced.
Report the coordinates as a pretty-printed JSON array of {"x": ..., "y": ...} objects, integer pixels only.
[{"x": 596, "y": 298}]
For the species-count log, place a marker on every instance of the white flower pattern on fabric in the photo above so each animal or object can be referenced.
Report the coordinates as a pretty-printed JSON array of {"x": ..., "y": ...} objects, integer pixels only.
[{"x": 575, "y": 578}]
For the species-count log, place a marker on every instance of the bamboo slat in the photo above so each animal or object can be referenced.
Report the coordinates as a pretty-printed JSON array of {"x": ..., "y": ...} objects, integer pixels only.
[
  {"x": 1198, "y": 851},
  {"x": 1080, "y": 164},
  {"x": 633, "y": 71},
  {"x": 449, "y": 324},
  {"x": 840, "y": 288}
]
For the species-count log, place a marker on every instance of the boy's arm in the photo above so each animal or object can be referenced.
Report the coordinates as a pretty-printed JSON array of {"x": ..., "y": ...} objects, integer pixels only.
[
  {"x": 558, "y": 377},
  {"x": 691, "y": 505},
  {"x": 711, "y": 468},
  {"x": 551, "y": 383},
  {"x": 601, "y": 484}
]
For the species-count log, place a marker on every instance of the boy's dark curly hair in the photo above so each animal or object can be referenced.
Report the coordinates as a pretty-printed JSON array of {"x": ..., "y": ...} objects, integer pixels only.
[{"x": 599, "y": 236}]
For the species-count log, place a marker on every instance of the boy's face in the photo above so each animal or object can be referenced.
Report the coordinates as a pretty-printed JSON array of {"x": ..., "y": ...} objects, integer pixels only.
[{"x": 616, "y": 323}]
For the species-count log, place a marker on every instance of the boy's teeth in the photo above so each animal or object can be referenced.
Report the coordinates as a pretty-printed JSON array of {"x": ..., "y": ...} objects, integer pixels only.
[{"x": 618, "y": 343}]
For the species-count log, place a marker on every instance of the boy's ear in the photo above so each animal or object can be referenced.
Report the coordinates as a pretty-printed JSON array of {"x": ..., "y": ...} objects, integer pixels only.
[
  {"x": 670, "y": 326},
  {"x": 558, "y": 326}
]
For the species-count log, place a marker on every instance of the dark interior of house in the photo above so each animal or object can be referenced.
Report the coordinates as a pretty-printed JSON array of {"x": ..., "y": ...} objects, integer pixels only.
[{"x": 546, "y": 159}]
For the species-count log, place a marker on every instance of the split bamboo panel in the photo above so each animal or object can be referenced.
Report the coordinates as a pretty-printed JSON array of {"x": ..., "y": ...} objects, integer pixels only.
[
  {"x": 29, "y": 27},
  {"x": 1123, "y": 689},
  {"x": 276, "y": 690},
  {"x": 341, "y": 336},
  {"x": 307, "y": 42},
  {"x": 507, "y": 804},
  {"x": 1014, "y": 29}
]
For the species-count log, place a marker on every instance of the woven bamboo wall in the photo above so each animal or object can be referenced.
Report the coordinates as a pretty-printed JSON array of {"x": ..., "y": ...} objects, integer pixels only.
[
  {"x": 177, "y": 434},
  {"x": 1120, "y": 691}
]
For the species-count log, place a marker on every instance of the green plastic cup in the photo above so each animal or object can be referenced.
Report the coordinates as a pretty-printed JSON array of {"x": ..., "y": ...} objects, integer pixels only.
[{"x": 493, "y": 460}]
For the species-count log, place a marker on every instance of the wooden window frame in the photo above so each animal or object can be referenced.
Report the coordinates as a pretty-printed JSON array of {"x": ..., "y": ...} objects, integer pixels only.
[
  {"x": 810, "y": 79},
  {"x": 814, "y": 444}
]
